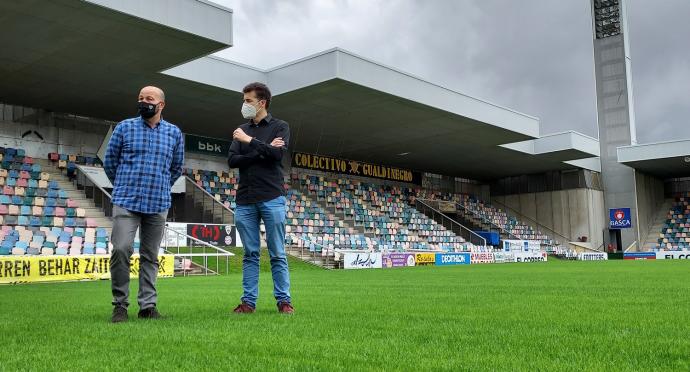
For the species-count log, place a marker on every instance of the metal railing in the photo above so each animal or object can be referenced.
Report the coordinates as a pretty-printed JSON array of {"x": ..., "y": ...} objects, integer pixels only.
[
  {"x": 203, "y": 249},
  {"x": 424, "y": 206},
  {"x": 101, "y": 198},
  {"x": 211, "y": 211},
  {"x": 538, "y": 225},
  {"x": 630, "y": 246},
  {"x": 311, "y": 255}
]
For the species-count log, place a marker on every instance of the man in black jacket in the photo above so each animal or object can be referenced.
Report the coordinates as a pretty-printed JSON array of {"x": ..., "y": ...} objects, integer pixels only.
[{"x": 257, "y": 150}]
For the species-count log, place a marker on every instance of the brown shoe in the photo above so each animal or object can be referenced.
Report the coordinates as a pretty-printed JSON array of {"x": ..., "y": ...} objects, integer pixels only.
[
  {"x": 286, "y": 308},
  {"x": 243, "y": 308}
]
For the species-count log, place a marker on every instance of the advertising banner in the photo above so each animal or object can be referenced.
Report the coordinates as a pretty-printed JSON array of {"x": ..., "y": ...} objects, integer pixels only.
[
  {"x": 482, "y": 258},
  {"x": 398, "y": 260},
  {"x": 364, "y": 260},
  {"x": 521, "y": 245},
  {"x": 619, "y": 218},
  {"x": 33, "y": 269},
  {"x": 444, "y": 259},
  {"x": 639, "y": 255},
  {"x": 218, "y": 235},
  {"x": 673, "y": 255},
  {"x": 530, "y": 256},
  {"x": 422, "y": 259},
  {"x": 504, "y": 257},
  {"x": 354, "y": 168},
  {"x": 206, "y": 145},
  {"x": 175, "y": 235},
  {"x": 592, "y": 256}
]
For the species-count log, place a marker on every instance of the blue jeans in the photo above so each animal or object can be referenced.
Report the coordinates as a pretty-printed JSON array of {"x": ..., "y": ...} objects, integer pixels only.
[{"x": 247, "y": 219}]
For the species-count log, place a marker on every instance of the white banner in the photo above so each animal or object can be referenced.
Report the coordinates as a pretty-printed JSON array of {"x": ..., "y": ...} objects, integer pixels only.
[
  {"x": 364, "y": 260},
  {"x": 521, "y": 246},
  {"x": 503, "y": 257},
  {"x": 673, "y": 255},
  {"x": 171, "y": 238},
  {"x": 592, "y": 256},
  {"x": 482, "y": 257},
  {"x": 530, "y": 256}
]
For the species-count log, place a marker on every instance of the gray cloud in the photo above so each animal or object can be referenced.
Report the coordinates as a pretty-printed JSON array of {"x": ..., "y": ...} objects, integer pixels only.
[{"x": 534, "y": 56}]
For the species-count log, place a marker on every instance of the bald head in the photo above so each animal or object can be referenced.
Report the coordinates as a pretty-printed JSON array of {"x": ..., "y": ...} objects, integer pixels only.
[{"x": 153, "y": 92}]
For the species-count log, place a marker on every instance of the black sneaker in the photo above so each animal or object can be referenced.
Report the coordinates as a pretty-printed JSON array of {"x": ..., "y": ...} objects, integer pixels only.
[
  {"x": 150, "y": 313},
  {"x": 119, "y": 315}
]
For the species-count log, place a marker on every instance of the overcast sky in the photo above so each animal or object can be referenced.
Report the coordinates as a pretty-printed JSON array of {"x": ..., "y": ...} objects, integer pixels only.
[{"x": 534, "y": 56}]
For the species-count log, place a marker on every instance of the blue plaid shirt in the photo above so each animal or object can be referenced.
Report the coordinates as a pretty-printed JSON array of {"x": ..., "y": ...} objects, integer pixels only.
[{"x": 143, "y": 163}]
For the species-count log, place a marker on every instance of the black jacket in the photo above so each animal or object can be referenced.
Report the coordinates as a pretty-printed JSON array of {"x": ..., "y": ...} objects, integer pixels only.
[{"x": 260, "y": 164}]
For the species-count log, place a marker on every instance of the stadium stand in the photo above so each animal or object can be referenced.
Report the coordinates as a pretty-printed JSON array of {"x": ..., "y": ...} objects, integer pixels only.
[
  {"x": 675, "y": 234},
  {"x": 382, "y": 212},
  {"x": 38, "y": 217},
  {"x": 343, "y": 213},
  {"x": 68, "y": 162}
]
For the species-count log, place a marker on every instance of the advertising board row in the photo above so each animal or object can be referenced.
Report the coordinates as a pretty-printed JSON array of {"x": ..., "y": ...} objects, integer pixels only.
[{"x": 378, "y": 260}]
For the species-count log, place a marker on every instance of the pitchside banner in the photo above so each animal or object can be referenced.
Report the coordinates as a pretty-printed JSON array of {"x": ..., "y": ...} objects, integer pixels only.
[
  {"x": 639, "y": 256},
  {"x": 31, "y": 269},
  {"x": 424, "y": 259},
  {"x": 592, "y": 256},
  {"x": 673, "y": 255},
  {"x": 398, "y": 260},
  {"x": 504, "y": 257},
  {"x": 219, "y": 235},
  {"x": 530, "y": 256},
  {"x": 354, "y": 168},
  {"x": 444, "y": 259},
  {"x": 482, "y": 258},
  {"x": 364, "y": 260},
  {"x": 660, "y": 255}
]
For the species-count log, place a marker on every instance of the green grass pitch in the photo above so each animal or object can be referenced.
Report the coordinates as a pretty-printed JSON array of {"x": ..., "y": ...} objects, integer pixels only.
[{"x": 558, "y": 315}]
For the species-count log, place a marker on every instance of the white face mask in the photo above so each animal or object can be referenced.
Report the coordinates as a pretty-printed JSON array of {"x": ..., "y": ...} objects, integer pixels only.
[{"x": 248, "y": 111}]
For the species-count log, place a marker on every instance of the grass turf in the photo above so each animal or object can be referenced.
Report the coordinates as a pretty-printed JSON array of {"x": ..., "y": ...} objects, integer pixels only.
[{"x": 611, "y": 315}]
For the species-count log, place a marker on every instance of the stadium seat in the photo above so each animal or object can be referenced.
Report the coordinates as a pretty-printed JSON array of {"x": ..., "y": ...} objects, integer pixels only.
[
  {"x": 3, "y": 209},
  {"x": 35, "y": 221},
  {"x": 89, "y": 248},
  {"x": 101, "y": 248},
  {"x": 13, "y": 209},
  {"x": 60, "y": 212},
  {"x": 62, "y": 248},
  {"x": 23, "y": 220},
  {"x": 20, "y": 248}
]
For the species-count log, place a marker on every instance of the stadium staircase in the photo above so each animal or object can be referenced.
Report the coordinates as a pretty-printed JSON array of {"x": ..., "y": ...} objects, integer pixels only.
[
  {"x": 203, "y": 207},
  {"x": 668, "y": 227}
]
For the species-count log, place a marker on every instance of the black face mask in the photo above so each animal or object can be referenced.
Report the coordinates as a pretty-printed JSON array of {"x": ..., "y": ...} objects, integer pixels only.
[{"x": 146, "y": 110}]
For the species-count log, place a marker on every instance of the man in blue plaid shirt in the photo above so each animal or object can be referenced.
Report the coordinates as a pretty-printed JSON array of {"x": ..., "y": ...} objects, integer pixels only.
[{"x": 143, "y": 160}]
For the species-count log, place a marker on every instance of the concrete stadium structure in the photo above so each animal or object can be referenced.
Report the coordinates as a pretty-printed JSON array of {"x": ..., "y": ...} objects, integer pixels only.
[{"x": 71, "y": 69}]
